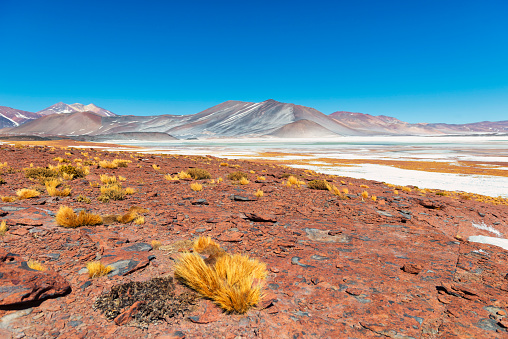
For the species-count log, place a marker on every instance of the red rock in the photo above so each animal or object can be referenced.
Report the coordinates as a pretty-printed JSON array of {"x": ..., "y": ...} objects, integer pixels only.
[
  {"x": 207, "y": 312},
  {"x": 412, "y": 268},
  {"x": 231, "y": 237},
  {"x": 127, "y": 315},
  {"x": 19, "y": 231},
  {"x": 20, "y": 284},
  {"x": 259, "y": 217}
]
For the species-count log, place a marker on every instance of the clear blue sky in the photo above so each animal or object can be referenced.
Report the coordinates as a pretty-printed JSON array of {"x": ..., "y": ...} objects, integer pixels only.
[{"x": 419, "y": 61}]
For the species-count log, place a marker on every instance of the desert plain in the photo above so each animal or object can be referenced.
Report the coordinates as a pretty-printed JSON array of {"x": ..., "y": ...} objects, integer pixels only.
[{"x": 358, "y": 259}]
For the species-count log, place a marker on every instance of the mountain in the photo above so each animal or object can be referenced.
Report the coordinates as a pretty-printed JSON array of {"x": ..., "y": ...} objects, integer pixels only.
[
  {"x": 62, "y": 108},
  {"x": 11, "y": 117},
  {"x": 303, "y": 129},
  {"x": 381, "y": 124},
  {"x": 61, "y": 124}
]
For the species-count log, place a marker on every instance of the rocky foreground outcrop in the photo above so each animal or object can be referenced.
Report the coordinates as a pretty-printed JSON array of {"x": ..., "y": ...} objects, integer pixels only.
[{"x": 339, "y": 267}]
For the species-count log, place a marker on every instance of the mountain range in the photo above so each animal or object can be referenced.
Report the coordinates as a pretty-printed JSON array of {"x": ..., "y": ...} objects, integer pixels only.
[{"x": 230, "y": 119}]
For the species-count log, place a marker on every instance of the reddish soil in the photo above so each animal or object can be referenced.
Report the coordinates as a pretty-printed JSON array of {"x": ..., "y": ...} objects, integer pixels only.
[{"x": 398, "y": 267}]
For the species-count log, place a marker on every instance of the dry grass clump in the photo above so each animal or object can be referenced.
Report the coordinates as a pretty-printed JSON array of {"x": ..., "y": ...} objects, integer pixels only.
[
  {"x": 184, "y": 175},
  {"x": 130, "y": 190},
  {"x": 364, "y": 186},
  {"x": 155, "y": 167},
  {"x": 237, "y": 176},
  {"x": 60, "y": 159},
  {"x": 133, "y": 213},
  {"x": 2, "y": 181},
  {"x": 374, "y": 198},
  {"x": 244, "y": 181},
  {"x": 74, "y": 172},
  {"x": 113, "y": 164},
  {"x": 365, "y": 195},
  {"x": 120, "y": 178},
  {"x": 8, "y": 199},
  {"x": 261, "y": 178},
  {"x": 318, "y": 185},
  {"x": 140, "y": 220},
  {"x": 97, "y": 269},
  {"x": 294, "y": 182},
  {"x": 106, "y": 179},
  {"x": 27, "y": 193},
  {"x": 3, "y": 227},
  {"x": 156, "y": 244},
  {"x": 234, "y": 282},
  {"x": 170, "y": 178},
  {"x": 259, "y": 193},
  {"x": 41, "y": 174},
  {"x": 51, "y": 188},
  {"x": 66, "y": 217},
  {"x": 224, "y": 164},
  {"x": 35, "y": 265},
  {"x": 196, "y": 186},
  {"x": 199, "y": 173},
  {"x": 82, "y": 198},
  {"x": 111, "y": 192}
]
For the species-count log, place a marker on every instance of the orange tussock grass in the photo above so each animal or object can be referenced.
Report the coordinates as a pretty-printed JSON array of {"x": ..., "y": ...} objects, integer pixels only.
[
  {"x": 140, "y": 220},
  {"x": 51, "y": 187},
  {"x": 66, "y": 217},
  {"x": 374, "y": 198},
  {"x": 97, "y": 269},
  {"x": 156, "y": 244},
  {"x": 130, "y": 190},
  {"x": 8, "y": 199},
  {"x": 184, "y": 175},
  {"x": 244, "y": 181},
  {"x": 345, "y": 191},
  {"x": 364, "y": 186},
  {"x": 259, "y": 193},
  {"x": 35, "y": 265},
  {"x": 155, "y": 167},
  {"x": 26, "y": 193},
  {"x": 261, "y": 178},
  {"x": 170, "y": 178},
  {"x": 234, "y": 282},
  {"x": 106, "y": 179},
  {"x": 196, "y": 187},
  {"x": 3, "y": 227},
  {"x": 133, "y": 213},
  {"x": 365, "y": 195}
]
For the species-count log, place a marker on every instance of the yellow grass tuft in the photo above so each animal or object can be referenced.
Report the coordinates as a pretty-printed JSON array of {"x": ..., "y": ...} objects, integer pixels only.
[
  {"x": 170, "y": 178},
  {"x": 97, "y": 269},
  {"x": 26, "y": 193},
  {"x": 259, "y": 193},
  {"x": 234, "y": 282},
  {"x": 224, "y": 164},
  {"x": 3, "y": 227},
  {"x": 155, "y": 167},
  {"x": 364, "y": 186},
  {"x": 35, "y": 265},
  {"x": 66, "y": 217},
  {"x": 261, "y": 178},
  {"x": 130, "y": 190},
  {"x": 374, "y": 198},
  {"x": 140, "y": 220},
  {"x": 106, "y": 179},
  {"x": 219, "y": 180},
  {"x": 8, "y": 199},
  {"x": 156, "y": 244},
  {"x": 365, "y": 195},
  {"x": 196, "y": 187},
  {"x": 395, "y": 192},
  {"x": 120, "y": 178},
  {"x": 206, "y": 245},
  {"x": 184, "y": 175},
  {"x": 244, "y": 181},
  {"x": 251, "y": 172},
  {"x": 345, "y": 191}
]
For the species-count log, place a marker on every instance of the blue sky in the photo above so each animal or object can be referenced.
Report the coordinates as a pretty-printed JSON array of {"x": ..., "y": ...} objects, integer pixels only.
[{"x": 419, "y": 61}]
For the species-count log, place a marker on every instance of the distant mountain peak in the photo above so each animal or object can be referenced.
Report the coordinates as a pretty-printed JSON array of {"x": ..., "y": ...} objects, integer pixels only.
[{"x": 63, "y": 108}]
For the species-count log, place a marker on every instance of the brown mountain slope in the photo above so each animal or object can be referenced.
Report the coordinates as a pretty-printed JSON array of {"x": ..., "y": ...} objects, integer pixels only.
[
  {"x": 303, "y": 129},
  {"x": 61, "y": 124}
]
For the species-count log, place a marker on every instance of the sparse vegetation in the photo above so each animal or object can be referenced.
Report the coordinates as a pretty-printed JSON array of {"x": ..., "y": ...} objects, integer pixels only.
[
  {"x": 27, "y": 193},
  {"x": 35, "y": 265},
  {"x": 113, "y": 164},
  {"x": 244, "y": 181},
  {"x": 259, "y": 193},
  {"x": 3, "y": 227},
  {"x": 318, "y": 185},
  {"x": 97, "y": 269},
  {"x": 198, "y": 173},
  {"x": 111, "y": 192},
  {"x": 8, "y": 199},
  {"x": 82, "y": 198},
  {"x": 234, "y": 282},
  {"x": 66, "y": 217},
  {"x": 156, "y": 244},
  {"x": 51, "y": 188},
  {"x": 237, "y": 176},
  {"x": 196, "y": 186}
]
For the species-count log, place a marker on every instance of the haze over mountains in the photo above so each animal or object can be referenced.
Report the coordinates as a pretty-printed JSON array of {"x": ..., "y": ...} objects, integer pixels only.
[{"x": 230, "y": 119}]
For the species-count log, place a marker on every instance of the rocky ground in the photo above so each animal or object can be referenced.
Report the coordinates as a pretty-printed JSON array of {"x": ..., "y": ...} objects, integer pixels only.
[{"x": 339, "y": 267}]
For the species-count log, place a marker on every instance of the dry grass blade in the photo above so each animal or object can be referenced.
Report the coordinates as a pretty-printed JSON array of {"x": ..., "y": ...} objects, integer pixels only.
[
  {"x": 26, "y": 193},
  {"x": 66, "y": 217},
  {"x": 97, "y": 269}
]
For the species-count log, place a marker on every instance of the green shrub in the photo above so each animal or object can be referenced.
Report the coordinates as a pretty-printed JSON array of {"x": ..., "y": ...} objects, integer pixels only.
[
  {"x": 198, "y": 173},
  {"x": 40, "y": 173},
  {"x": 237, "y": 175},
  {"x": 318, "y": 185}
]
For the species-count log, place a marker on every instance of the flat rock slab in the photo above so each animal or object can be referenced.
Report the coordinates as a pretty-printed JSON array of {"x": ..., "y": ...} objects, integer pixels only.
[
  {"x": 324, "y": 236},
  {"x": 19, "y": 284},
  {"x": 127, "y": 259}
]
